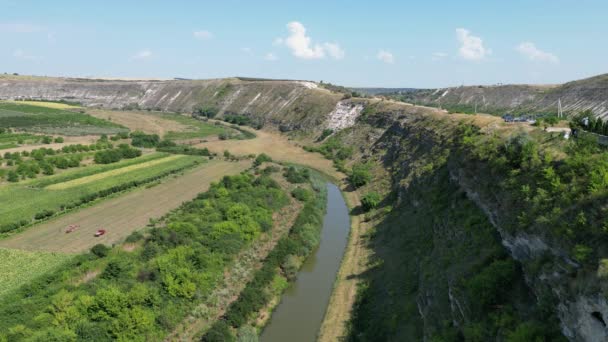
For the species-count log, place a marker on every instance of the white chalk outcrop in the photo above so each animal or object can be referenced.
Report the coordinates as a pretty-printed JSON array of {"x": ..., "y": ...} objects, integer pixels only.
[{"x": 344, "y": 115}]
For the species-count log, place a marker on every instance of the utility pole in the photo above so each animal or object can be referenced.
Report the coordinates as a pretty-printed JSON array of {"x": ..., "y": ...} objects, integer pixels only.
[{"x": 560, "y": 113}]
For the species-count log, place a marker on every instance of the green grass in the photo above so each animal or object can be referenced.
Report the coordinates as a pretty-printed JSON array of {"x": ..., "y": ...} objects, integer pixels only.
[
  {"x": 22, "y": 201},
  {"x": 200, "y": 129},
  {"x": 9, "y": 145},
  {"x": 53, "y": 121},
  {"x": 19, "y": 267}
]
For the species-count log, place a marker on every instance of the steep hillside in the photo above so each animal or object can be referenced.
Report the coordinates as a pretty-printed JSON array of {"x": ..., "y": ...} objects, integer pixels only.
[
  {"x": 590, "y": 93},
  {"x": 484, "y": 232},
  {"x": 288, "y": 104}
]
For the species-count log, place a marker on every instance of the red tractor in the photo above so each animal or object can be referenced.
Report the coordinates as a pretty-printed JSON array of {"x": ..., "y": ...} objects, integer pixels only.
[{"x": 100, "y": 232}]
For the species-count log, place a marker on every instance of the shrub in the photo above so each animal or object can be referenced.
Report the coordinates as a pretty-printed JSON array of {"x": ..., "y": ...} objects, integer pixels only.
[
  {"x": 100, "y": 250},
  {"x": 295, "y": 175},
  {"x": 301, "y": 194},
  {"x": 360, "y": 175},
  {"x": 140, "y": 139},
  {"x": 59, "y": 140},
  {"x": 262, "y": 158},
  {"x": 44, "y": 214},
  {"x": 134, "y": 237},
  {"x": 208, "y": 112},
  {"x": 12, "y": 176},
  {"x": 219, "y": 332},
  {"x": 370, "y": 200}
]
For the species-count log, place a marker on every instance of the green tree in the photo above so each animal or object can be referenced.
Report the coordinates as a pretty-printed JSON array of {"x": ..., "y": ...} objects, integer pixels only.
[
  {"x": 12, "y": 176},
  {"x": 360, "y": 174}
]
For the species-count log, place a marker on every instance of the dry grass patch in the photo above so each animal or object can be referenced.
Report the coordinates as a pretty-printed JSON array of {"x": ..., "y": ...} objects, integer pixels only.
[
  {"x": 54, "y": 105},
  {"x": 137, "y": 121}
]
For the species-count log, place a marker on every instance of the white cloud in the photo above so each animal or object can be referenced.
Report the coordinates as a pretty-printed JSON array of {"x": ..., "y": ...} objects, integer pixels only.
[
  {"x": 277, "y": 41},
  {"x": 271, "y": 57},
  {"x": 202, "y": 35},
  {"x": 20, "y": 54},
  {"x": 439, "y": 55},
  {"x": 535, "y": 54},
  {"x": 471, "y": 47},
  {"x": 334, "y": 50},
  {"x": 301, "y": 45},
  {"x": 143, "y": 54},
  {"x": 385, "y": 56}
]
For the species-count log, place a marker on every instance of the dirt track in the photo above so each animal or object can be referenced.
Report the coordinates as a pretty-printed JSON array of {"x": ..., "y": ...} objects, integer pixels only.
[{"x": 121, "y": 215}]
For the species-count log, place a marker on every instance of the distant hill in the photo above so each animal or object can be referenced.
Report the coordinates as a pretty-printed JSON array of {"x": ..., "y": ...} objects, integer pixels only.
[
  {"x": 383, "y": 91},
  {"x": 590, "y": 93}
]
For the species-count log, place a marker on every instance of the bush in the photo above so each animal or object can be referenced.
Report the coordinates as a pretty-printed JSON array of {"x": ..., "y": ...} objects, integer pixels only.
[
  {"x": 115, "y": 155},
  {"x": 44, "y": 214},
  {"x": 208, "y": 112},
  {"x": 59, "y": 140},
  {"x": 301, "y": 194},
  {"x": 360, "y": 175},
  {"x": 247, "y": 333},
  {"x": 134, "y": 237},
  {"x": 295, "y": 175},
  {"x": 370, "y": 200},
  {"x": 219, "y": 332},
  {"x": 262, "y": 158},
  {"x": 140, "y": 139},
  {"x": 100, "y": 250},
  {"x": 12, "y": 176}
]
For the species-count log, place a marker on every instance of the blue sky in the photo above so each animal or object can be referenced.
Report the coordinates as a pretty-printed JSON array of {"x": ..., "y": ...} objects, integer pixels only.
[{"x": 353, "y": 43}]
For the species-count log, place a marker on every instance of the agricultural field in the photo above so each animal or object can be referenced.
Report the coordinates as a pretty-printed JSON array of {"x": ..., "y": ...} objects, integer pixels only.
[
  {"x": 44, "y": 119},
  {"x": 41, "y": 198},
  {"x": 120, "y": 215},
  {"x": 18, "y": 267},
  {"x": 12, "y": 140}
]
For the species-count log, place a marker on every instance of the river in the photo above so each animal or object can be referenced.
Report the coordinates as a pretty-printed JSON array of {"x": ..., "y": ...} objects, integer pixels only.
[{"x": 299, "y": 315}]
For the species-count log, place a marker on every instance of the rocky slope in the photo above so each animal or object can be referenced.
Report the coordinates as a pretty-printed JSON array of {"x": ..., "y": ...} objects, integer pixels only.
[
  {"x": 288, "y": 104},
  {"x": 590, "y": 93}
]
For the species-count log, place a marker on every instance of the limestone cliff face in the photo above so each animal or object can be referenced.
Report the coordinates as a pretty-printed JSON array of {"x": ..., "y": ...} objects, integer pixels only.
[{"x": 289, "y": 104}]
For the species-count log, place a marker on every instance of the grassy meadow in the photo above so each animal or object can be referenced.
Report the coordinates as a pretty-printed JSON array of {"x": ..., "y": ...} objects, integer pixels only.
[
  {"x": 45, "y": 119},
  {"x": 18, "y": 267},
  {"x": 200, "y": 129}
]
